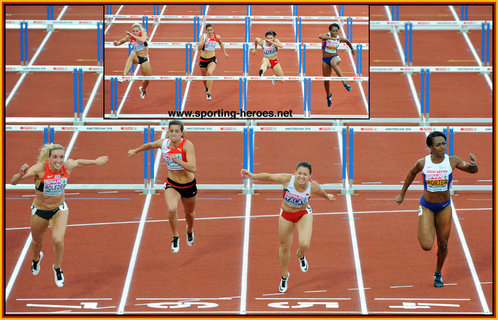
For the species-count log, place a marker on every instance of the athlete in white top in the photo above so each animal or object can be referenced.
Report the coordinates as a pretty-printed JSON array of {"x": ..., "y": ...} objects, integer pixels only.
[
  {"x": 330, "y": 58},
  {"x": 139, "y": 55},
  {"x": 49, "y": 206},
  {"x": 270, "y": 46},
  {"x": 207, "y": 63},
  {"x": 179, "y": 155},
  {"x": 434, "y": 215},
  {"x": 295, "y": 212}
]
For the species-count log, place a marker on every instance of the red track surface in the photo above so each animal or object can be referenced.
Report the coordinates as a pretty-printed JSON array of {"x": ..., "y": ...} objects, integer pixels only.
[{"x": 103, "y": 226}]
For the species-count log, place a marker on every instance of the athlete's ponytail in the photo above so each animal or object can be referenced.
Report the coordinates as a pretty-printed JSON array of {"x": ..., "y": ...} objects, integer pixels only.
[{"x": 46, "y": 151}]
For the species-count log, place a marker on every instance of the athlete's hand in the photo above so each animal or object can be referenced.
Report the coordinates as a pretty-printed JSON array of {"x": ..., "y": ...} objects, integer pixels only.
[
  {"x": 246, "y": 174},
  {"x": 23, "y": 170},
  {"x": 226, "y": 55},
  {"x": 330, "y": 196},
  {"x": 101, "y": 160},
  {"x": 399, "y": 198},
  {"x": 115, "y": 43},
  {"x": 472, "y": 158},
  {"x": 132, "y": 152}
]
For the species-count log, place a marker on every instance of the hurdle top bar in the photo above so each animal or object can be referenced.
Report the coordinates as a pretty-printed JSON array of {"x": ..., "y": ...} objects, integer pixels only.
[
  {"x": 56, "y": 24},
  {"x": 249, "y": 78},
  {"x": 431, "y": 69},
  {"x": 420, "y": 129},
  {"x": 429, "y": 25},
  {"x": 190, "y": 17},
  {"x": 19, "y": 68},
  {"x": 234, "y": 45}
]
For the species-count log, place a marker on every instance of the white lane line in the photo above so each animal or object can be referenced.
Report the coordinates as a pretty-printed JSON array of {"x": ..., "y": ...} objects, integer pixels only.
[
  {"x": 24, "y": 251},
  {"x": 360, "y": 86},
  {"x": 109, "y": 25},
  {"x": 123, "y": 100},
  {"x": 315, "y": 291},
  {"x": 194, "y": 58},
  {"x": 422, "y": 299},
  {"x": 245, "y": 256},
  {"x": 302, "y": 298},
  {"x": 138, "y": 239},
  {"x": 396, "y": 287},
  {"x": 468, "y": 257},
  {"x": 471, "y": 47},
  {"x": 61, "y": 299},
  {"x": 40, "y": 49},
  {"x": 354, "y": 241},
  {"x": 402, "y": 56}
]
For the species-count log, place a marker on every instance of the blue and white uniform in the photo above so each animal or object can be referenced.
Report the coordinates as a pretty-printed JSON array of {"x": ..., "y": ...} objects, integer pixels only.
[{"x": 437, "y": 178}]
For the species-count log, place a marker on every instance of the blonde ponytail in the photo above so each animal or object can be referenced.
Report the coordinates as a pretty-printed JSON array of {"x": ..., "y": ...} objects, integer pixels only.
[{"x": 46, "y": 151}]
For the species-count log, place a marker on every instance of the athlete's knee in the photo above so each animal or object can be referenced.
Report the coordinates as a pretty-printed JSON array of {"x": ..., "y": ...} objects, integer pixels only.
[
  {"x": 58, "y": 241},
  {"x": 442, "y": 246},
  {"x": 172, "y": 212},
  {"x": 426, "y": 244},
  {"x": 304, "y": 246},
  {"x": 209, "y": 73}
]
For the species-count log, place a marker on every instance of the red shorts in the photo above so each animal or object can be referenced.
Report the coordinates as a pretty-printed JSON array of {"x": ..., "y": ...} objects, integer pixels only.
[
  {"x": 273, "y": 62},
  {"x": 294, "y": 216}
]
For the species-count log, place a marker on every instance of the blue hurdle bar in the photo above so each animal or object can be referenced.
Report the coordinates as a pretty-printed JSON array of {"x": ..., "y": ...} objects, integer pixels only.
[
  {"x": 304, "y": 59},
  {"x": 240, "y": 95},
  {"x": 245, "y": 95},
  {"x": 109, "y": 9},
  {"x": 50, "y": 12},
  {"x": 351, "y": 134},
  {"x": 408, "y": 42},
  {"x": 251, "y": 149},
  {"x": 344, "y": 130},
  {"x": 52, "y": 135},
  {"x": 487, "y": 41},
  {"x": 300, "y": 22},
  {"x": 245, "y": 148},
  {"x": 445, "y": 132},
  {"x": 156, "y": 9},
  {"x": 22, "y": 40},
  {"x": 299, "y": 60},
  {"x": 410, "y": 28},
  {"x": 45, "y": 135},
  {"x": 26, "y": 43},
  {"x": 188, "y": 58},
  {"x": 203, "y": 9},
  {"x": 132, "y": 69},
  {"x": 450, "y": 146},
  {"x": 422, "y": 87},
  {"x": 483, "y": 43},
  {"x": 309, "y": 95},
  {"x": 146, "y": 154},
  {"x": 427, "y": 90},
  {"x": 395, "y": 13},
  {"x": 80, "y": 78},
  {"x": 145, "y": 23},
  {"x": 151, "y": 165},
  {"x": 341, "y": 10},
  {"x": 464, "y": 13},
  {"x": 305, "y": 97},
  {"x": 75, "y": 91},
  {"x": 99, "y": 42}
]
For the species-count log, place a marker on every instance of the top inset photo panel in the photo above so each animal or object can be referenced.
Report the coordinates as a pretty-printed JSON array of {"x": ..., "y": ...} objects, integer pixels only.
[{"x": 236, "y": 62}]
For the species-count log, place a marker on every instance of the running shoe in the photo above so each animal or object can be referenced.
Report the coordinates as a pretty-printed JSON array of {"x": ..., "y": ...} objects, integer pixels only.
[
  {"x": 59, "y": 276},
  {"x": 303, "y": 263},
  {"x": 260, "y": 72},
  {"x": 175, "y": 244},
  {"x": 347, "y": 86},
  {"x": 142, "y": 93},
  {"x": 329, "y": 100},
  {"x": 208, "y": 96},
  {"x": 206, "y": 89},
  {"x": 190, "y": 238},
  {"x": 283, "y": 283},
  {"x": 438, "y": 280},
  {"x": 35, "y": 265}
]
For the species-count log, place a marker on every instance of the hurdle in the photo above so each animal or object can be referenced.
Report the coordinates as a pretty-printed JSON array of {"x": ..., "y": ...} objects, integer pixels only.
[
  {"x": 485, "y": 42},
  {"x": 24, "y": 43},
  {"x": 408, "y": 43},
  {"x": 394, "y": 12},
  {"x": 243, "y": 80},
  {"x": 464, "y": 12},
  {"x": 50, "y": 12},
  {"x": 31, "y": 128},
  {"x": 419, "y": 129}
]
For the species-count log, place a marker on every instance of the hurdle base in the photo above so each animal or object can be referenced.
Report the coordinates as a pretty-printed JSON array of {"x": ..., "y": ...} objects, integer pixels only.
[{"x": 50, "y": 28}]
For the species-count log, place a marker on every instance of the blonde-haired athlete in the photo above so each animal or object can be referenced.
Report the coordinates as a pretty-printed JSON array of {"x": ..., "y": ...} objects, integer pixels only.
[
  {"x": 140, "y": 53},
  {"x": 51, "y": 174}
]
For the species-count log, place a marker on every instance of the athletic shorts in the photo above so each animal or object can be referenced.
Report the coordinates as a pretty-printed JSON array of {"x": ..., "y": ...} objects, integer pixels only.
[
  {"x": 434, "y": 207},
  {"x": 273, "y": 62},
  {"x": 48, "y": 214},
  {"x": 142, "y": 59},
  {"x": 328, "y": 59},
  {"x": 186, "y": 190},
  {"x": 203, "y": 63},
  {"x": 294, "y": 216}
]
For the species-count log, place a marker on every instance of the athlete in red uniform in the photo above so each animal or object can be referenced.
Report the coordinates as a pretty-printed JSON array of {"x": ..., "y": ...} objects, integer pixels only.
[
  {"x": 139, "y": 54},
  {"x": 207, "y": 62},
  {"x": 270, "y": 46},
  {"x": 179, "y": 155},
  {"x": 294, "y": 212},
  {"x": 51, "y": 174}
]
